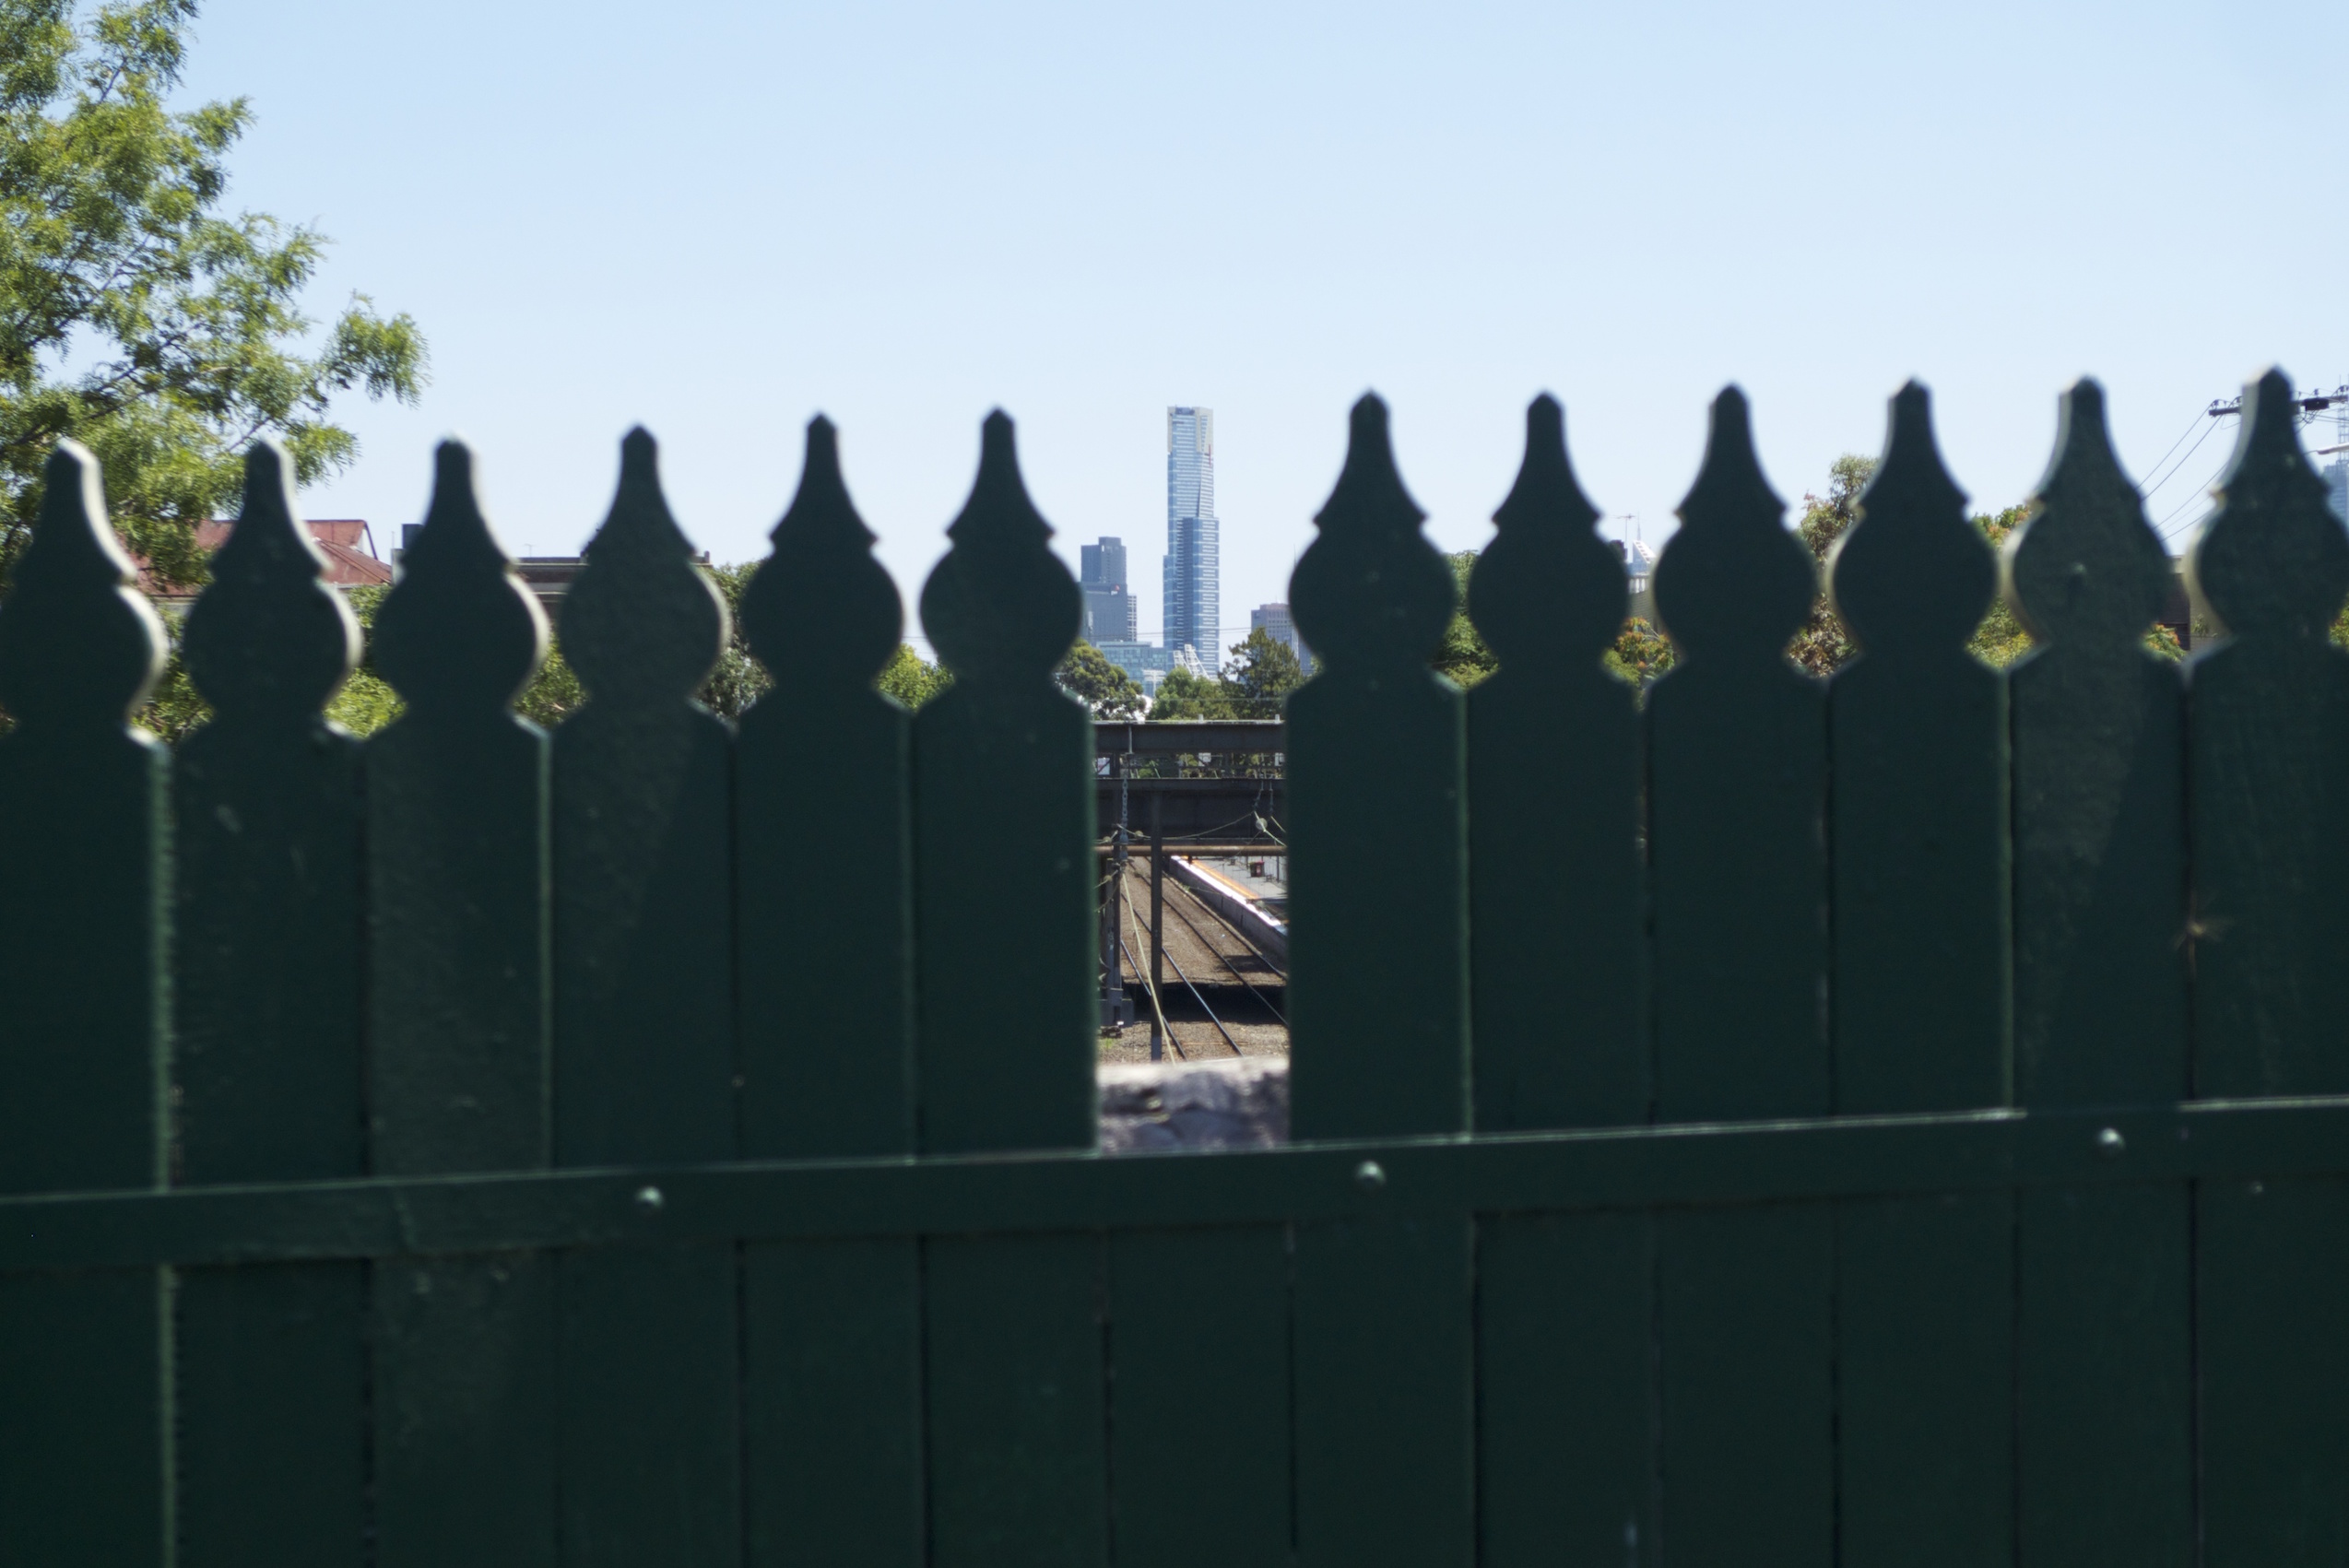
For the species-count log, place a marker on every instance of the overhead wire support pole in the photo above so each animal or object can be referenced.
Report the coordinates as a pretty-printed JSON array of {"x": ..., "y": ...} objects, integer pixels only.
[
  {"x": 1157, "y": 914},
  {"x": 1120, "y": 1009}
]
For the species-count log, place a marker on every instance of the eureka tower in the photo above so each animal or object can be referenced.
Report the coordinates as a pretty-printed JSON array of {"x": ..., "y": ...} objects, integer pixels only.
[{"x": 1194, "y": 594}]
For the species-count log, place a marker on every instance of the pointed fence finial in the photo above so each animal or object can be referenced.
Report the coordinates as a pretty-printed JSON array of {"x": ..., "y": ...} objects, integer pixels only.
[
  {"x": 78, "y": 643},
  {"x": 2272, "y": 561},
  {"x": 269, "y": 639},
  {"x": 1371, "y": 589},
  {"x": 1732, "y": 578},
  {"x": 1000, "y": 606},
  {"x": 459, "y": 633},
  {"x": 1911, "y": 576},
  {"x": 820, "y": 608},
  {"x": 644, "y": 623},
  {"x": 1547, "y": 590},
  {"x": 2086, "y": 568}
]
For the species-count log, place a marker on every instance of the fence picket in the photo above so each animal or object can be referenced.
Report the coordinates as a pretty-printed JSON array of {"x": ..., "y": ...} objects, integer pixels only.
[
  {"x": 1557, "y": 957},
  {"x": 1378, "y": 1024},
  {"x": 1559, "y": 998},
  {"x": 1004, "y": 865},
  {"x": 1917, "y": 731},
  {"x": 464, "y": 1382},
  {"x": 2099, "y": 1013},
  {"x": 1737, "y": 760},
  {"x": 2268, "y": 766},
  {"x": 643, "y": 1039},
  {"x": 83, "y": 955},
  {"x": 823, "y": 891},
  {"x": 271, "y": 1358}
]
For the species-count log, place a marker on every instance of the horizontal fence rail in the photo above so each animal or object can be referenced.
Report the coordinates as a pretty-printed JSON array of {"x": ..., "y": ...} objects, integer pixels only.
[{"x": 1902, "y": 1118}]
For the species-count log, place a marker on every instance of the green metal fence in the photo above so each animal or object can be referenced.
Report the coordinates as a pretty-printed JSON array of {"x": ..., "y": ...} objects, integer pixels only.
[{"x": 1901, "y": 1120}]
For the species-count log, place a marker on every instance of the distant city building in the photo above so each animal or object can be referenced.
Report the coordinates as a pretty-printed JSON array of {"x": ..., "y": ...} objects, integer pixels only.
[
  {"x": 1146, "y": 662},
  {"x": 1111, "y": 614},
  {"x": 1191, "y": 578},
  {"x": 1274, "y": 620},
  {"x": 2336, "y": 485},
  {"x": 1639, "y": 578}
]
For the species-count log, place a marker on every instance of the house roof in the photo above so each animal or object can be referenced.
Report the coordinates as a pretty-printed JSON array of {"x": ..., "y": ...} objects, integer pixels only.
[{"x": 347, "y": 544}]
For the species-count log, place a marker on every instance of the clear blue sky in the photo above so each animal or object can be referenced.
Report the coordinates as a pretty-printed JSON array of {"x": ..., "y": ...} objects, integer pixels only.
[{"x": 718, "y": 220}]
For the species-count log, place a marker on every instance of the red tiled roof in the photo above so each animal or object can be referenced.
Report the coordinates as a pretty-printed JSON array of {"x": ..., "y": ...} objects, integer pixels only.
[{"x": 346, "y": 542}]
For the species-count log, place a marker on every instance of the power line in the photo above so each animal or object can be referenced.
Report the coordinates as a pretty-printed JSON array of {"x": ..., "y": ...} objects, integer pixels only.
[
  {"x": 2179, "y": 466},
  {"x": 2175, "y": 444}
]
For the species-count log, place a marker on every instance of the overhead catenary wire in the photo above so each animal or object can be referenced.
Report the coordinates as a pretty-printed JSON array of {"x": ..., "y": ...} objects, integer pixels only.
[
  {"x": 2175, "y": 444},
  {"x": 1188, "y": 984},
  {"x": 1164, "y": 1028},
  {"x": 2153, "y": 485},
  {"x": 1224, "y": 959}
]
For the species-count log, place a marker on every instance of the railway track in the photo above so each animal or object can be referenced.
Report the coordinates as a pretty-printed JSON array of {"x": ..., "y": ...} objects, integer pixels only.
[{"x": 1218, "y": 938}]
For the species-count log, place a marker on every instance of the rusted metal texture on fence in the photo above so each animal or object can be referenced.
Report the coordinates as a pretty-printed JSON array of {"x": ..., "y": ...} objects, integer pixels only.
[{"x": 1897, "y": 1119}]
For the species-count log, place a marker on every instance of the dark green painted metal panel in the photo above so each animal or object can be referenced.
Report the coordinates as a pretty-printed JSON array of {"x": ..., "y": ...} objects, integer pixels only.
[
  {"x": 824, "y": 866},
  {"x": 1378, "y": 1021},
  {"x": 1385, "y": 1393},
  {"x": 823, "y": 852},
  {"x": 1918, "y": 760},
  {"x": 2104, "y": 1377},
  {"x": 643, "y": 1050},
  {"x": 1743, "y": 1310},
  {"x": 1018, "y": 1462},
  {"x": 2100, "y": 877},
  {"x": 1069, "y": 1190},
  {"x": 1919, "y": 1017},
  {"x": 833, "y": 1402},
  {"x": 1378, "y": 783},
  {"x": 1200, "y": 1418},
  {"x": 83, "y": 1469},
  {"x": 272, "y": 1375},
  {"x": 1737, "y": 765},
  {"x": 2100, "y": 1013},
  {"x": 1559, "y": 951},
  {"x": 2268, "y": 756},
  {"x": 271, "y": 1363},
  {"x": 83, "y": 1429},
  {"x": 2272, "y": 1268},
  {"x": 464, "y": 1394},
  {"x": 644, "y": 967},
  {"x": 456, "y": 858},
  {"x": 650, "y": 1466},
  {"x": 465, "y": 1386},
  {"x": 1925, "y": 1379},
  {"x": 268, "y": 920},
  {"x": 1004, "y": 758},
  {"x": 1565, "y": 1389}
]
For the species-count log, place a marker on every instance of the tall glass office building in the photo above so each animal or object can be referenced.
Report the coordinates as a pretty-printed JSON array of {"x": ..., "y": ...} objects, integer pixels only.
[{"x": 1193, "y": 589}]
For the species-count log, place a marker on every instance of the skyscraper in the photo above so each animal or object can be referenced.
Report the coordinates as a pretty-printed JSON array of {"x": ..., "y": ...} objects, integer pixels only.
[
  {"x": 1193, "y": 588},
  {"x": 1109, "y": 612}
]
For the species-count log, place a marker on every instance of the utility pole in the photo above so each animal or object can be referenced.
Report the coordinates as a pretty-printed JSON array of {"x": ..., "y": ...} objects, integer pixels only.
[
  {"x": 1157, "y": 915},
  {"x": 1117, "y": 1010}
]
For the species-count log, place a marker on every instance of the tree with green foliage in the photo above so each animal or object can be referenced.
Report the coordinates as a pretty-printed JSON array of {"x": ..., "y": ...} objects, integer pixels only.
[
  {"x": 739, "y": 678},
  {"x": 1462, "y": 654},
  {"x": 1823, "y": 646},
  {"x": 1641, "y": 653},
  {"x": 137, "y": 317},
  {"x": 1186, "y": 694},
  {"x": 1999, "y": 640},
  {"x": 1259, "y": 676},
  {"x": 1105, "y": 689},
  {"x": 911, "y": 679}
]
